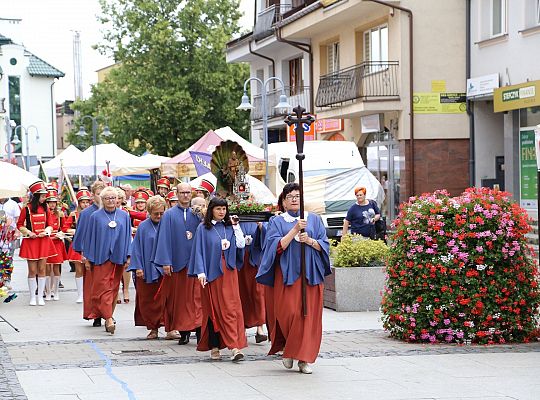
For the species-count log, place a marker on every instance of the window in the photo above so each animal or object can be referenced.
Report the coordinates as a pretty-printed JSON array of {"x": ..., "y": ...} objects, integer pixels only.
[
  {"x": 296, "y": 75},
  {"x": 332, "y": 57},
  {"x": 537, "y": 12},
  {"x": 498, "y": 17},
  {"x": 376, "y": 48}
]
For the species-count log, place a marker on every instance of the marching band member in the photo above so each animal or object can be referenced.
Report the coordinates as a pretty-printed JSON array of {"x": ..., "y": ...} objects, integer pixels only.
[
  {"x": 182, "y": 295},
  {"x": 79, "y": 245},
  {"x": 37, "y": 246},
  {"x": 299, "y": 337},
  {"x": 163, "y": 187},
  {"x": 53, "y": 263},
  {"x": 213, "y": 261},
  {"x": 106, "y": 248},
  {"x": 172, "y": 199},
  {"x": 148, "y": 311},
  {"x": 83, "y": 201},
  {"x": 205, "y": 189}
]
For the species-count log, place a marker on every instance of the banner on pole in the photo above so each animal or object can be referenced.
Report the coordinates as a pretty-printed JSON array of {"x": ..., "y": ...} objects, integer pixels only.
[{"x": 201, "y": 161}]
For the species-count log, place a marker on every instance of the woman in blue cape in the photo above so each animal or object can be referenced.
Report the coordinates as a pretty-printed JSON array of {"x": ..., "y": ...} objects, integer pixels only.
[
  {"x": 106, "y": 248},
  {"x": 297, "y": 336},
  {"x": 214, "y": 261},
  {"x": 148, "y": 308}
]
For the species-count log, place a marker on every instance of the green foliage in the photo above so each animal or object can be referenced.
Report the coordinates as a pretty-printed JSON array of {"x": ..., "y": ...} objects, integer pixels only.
[
  {"x": 245, "y": 207},
  {"x": 172, "y": 83},
  {"x": 353, "y": 251}
]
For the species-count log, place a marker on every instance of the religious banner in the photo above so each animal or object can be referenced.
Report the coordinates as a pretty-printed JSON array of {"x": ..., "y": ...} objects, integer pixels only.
[{"x": 201, "y": 162}]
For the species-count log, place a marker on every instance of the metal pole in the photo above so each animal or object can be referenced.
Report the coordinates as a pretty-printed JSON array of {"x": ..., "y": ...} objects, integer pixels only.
[
  {"x": 94, "y": 139},
  {"x": 265, "y": 132},
  {"x": 8, "y": 132},
  {"x": 27, "y": 149}
]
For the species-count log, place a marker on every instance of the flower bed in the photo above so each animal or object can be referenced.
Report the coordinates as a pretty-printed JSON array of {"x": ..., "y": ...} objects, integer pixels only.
[{"x": 460, "y": 270}]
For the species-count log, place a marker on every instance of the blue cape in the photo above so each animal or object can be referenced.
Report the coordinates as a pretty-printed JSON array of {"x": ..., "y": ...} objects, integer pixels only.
[
  {"x": 317, "y": 263},
  {"x": 206, "y": 252},
  {"x": 172, "y": 246},
  {"x": 104, "y": 243},
  {"x": 141, "y": 251},
  {"x": 255, "y": 248},
  {"x": 82, "y": 227}
]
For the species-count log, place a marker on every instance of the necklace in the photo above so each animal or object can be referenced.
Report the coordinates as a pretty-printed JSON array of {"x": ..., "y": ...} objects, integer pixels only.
[
  {"x": 225, "y": 244},
  {"x": 153, "y": 226},
  {"x": 112, "y": 223}
]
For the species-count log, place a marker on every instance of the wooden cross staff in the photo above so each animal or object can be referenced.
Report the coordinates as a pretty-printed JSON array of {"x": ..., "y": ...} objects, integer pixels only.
[{"x": 301, "y": 122}]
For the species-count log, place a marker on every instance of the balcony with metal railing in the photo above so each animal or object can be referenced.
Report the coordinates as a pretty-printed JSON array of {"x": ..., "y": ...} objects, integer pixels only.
[
  {"x": 368, "y": 80},
  {"x": 295, "y": 95}
]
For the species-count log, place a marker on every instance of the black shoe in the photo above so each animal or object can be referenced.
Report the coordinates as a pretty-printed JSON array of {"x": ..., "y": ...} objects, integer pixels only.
[
  {"x": 60, "y": 285},
  {"x": 260, "y": 338},
  {"x": 184, "y": 338},
  {"x": 97, "y": 322}
]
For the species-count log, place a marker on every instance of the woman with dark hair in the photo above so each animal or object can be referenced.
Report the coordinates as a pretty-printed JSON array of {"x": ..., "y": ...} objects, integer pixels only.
[
  {"x": 37, "y": 246},
  {"x": 298, "y": 336},
  {"x": 213, "y": 261}
]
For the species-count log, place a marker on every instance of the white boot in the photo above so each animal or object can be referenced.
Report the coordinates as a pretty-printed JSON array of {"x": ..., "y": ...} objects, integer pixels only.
[
  {"x": 56, "y": 292},
  {"x": 41, "y": 287},
  {"x": 32, "y": 286},
  {"x": 48, "y": 291},
  {"x": 79, "y": 283}
]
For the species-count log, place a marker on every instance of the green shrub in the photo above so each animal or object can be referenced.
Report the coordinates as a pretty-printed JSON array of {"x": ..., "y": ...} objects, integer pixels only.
[{"x": 353, "y": 251}]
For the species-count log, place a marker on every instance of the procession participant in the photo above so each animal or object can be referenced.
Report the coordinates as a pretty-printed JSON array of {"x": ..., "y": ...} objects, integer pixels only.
[
  {"x": 205, "y": 189},
  {"x": 83, "y": 201},
  {"x": 79, "y": 242},
  {"x": 163, "y": 187},
  {"x": 121, "y": 200},
  {"x": 106, "y": 249},
  {"x": 128, "y": 190},
  {"x": 54, "y": 262},
  {"x": 182, "y": 295},
  {"x": 37, "y": 246},
  {"x": 213, "y": 261},
  {"x": 297, "y": 335},
  {"x": 198, "y": 206},
  {"x": 172, "y": 199},
  {"x": 148, "y": 312},
  {"x": 252, "y": 292}
]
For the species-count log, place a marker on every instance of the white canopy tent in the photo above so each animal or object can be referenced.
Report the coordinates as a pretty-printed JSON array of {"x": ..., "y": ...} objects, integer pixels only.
[
  {"x": 143, "y": 164},
  {"x": 15, "y": 181},
  {"x": 52, "y": 167},
  {"x": 260, "y": 192}
]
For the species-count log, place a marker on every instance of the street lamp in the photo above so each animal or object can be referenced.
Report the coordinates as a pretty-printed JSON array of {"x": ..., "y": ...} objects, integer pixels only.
[
  {"x": 246, "y": 105},
  {"x": 9, "y": 132},
  {"x": 82, "y": 133},
  {"x": 16, "y": 141}
]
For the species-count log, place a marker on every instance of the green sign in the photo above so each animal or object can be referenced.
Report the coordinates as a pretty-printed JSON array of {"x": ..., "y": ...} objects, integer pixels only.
[{"x": 528, "y": 170}]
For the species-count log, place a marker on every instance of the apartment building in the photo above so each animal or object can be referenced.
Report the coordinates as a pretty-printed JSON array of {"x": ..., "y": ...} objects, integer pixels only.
[
  {"x": 389, "y": 76},
  {"x": 504, "y": 91}
]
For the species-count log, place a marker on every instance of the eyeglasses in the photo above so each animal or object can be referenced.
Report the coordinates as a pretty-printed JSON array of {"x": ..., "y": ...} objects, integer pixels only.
[
  {"x": 186, "y": 193},
  {"x": 292, "y": 197},
  {"x": 109, "y": 198}
]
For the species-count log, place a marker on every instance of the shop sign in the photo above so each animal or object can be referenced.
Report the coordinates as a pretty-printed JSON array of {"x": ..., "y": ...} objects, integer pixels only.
[
  {"x": 482, "y": 86},
  {"x": 518, "y": 96},
  {"x": 527, "y": 169},
  {"x": 309, "y": 132},
  {"x": 328, "y": 125},
  {"x": 439, "y": 103}
]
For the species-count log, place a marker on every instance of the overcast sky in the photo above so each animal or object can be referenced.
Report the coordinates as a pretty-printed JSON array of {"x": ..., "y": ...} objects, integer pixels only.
[{"x": 47, "y": 31}]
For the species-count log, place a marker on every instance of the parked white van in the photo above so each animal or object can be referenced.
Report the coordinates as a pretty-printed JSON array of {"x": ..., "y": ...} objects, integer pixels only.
[{"x": 331, "y": 172}]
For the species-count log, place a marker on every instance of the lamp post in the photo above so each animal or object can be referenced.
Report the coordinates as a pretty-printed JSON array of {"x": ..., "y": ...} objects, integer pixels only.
[
  {"x": 16, "y": 141},
  {"x": 246, "y": 105},
  {"x": 82, "y": 133},
  {"x": 9, "y": 141}
]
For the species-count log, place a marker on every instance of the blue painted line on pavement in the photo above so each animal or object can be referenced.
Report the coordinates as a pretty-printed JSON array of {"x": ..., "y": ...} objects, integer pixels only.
[{"x": 108, "y": 368}]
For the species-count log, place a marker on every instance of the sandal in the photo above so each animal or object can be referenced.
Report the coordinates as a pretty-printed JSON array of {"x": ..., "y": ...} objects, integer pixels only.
[{"x": 110, "y": 328}]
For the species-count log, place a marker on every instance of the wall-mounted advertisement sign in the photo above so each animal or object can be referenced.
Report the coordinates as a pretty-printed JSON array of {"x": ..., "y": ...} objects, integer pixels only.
[
  {"x": 482, "y": 86},
  {"x": 515, "y": 97}
]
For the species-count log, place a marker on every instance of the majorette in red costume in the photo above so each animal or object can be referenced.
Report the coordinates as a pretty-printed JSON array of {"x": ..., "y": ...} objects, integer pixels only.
[
  {"x": 38, "y": 222},
  {"x": 139, "y": 214},
  {"x": 57, "y": 224},
  {"x": 71, "y": 224},
  {"x": 172, "y": 199},
  {"x": 163, "y": 187}
]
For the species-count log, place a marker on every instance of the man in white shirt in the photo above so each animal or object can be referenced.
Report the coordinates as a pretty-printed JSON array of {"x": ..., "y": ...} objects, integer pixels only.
[{"x": 10, "y": 209}]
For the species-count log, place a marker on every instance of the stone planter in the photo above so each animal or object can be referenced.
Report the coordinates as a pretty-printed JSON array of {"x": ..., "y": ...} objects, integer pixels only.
[{"x": 354, "y": 288}]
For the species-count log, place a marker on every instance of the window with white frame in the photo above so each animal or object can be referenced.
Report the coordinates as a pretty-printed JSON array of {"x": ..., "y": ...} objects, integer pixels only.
[
  {"x": 376, "y": 47},
  {"x": 332, "y": 57},
  {"x": 537, "y": 12},
  {"x": 498, "y": 17}
]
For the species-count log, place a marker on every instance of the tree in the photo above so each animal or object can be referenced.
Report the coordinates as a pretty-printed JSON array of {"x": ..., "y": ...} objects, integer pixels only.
[{"x": 172, "y": 83}]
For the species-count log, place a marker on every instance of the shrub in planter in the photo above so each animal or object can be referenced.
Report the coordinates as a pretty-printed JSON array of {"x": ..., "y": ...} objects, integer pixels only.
[
  {"x": 459, "y": 270},
  {"x": 353, "y": 251}
]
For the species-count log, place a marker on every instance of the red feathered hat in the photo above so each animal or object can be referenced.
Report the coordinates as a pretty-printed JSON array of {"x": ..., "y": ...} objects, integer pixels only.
[{"x": 38, "y": 187}]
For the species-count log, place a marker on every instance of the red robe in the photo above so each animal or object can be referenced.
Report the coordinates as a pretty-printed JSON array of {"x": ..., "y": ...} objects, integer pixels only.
[
  {"x": 179, "y": 293},
  {"x": 71, "y": 223},
  {"x": 251, "y": 295}
]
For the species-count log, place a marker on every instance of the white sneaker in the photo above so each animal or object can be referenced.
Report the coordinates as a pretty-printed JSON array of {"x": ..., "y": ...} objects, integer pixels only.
[
  {"x": 32, "y": 301},
  {"x": 56, "y": 296},
  {"x": 41, "y": 302},
  {"x": 287, "y": 362},
  {"x": 48, "y": 296},
  {"x": 79, "y": 299},
  {"x": 304, "y": 367}
]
